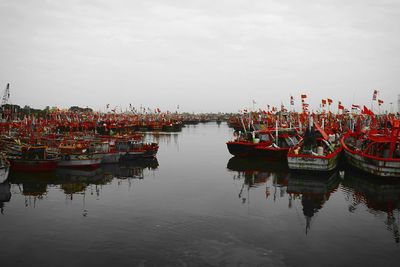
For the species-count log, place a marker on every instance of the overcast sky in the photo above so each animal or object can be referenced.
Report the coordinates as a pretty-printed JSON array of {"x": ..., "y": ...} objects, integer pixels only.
[{"x": 204, "y": 55}]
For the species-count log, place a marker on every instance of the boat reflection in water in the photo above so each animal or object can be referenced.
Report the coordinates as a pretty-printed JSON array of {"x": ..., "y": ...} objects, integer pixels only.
[
  {"x": 260, "y": 171},
  {"x": 130, "y": 169},
  {"x": 313, "y": 189},
  {"x": 5, "y": 195},
  {"x": 380, "y": 195},
  {"x": 73, "y": 181},
  {"x": 33, "y": 184}
]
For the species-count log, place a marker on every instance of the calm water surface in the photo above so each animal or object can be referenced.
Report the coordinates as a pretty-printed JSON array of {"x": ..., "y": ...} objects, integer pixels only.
[{"x": 197, "y": 206}]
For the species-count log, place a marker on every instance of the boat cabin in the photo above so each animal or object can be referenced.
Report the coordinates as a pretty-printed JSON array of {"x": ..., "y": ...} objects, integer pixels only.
[{"x": 34, "y": 152}]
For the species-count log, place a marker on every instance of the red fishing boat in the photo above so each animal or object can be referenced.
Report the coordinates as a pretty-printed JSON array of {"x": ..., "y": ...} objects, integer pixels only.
[
  {"x": 271, "y": 143},
  {"x": 33, "y": 159},
  {"x": 131, "y": 148},
  {"x": 281, "y": 142},
  {"x": 244, "y": 144},
  {"x": 375, "y": 152}
]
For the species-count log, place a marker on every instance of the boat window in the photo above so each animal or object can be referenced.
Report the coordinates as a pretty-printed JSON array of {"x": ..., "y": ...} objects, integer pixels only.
[{"x": 264, "y": 137}]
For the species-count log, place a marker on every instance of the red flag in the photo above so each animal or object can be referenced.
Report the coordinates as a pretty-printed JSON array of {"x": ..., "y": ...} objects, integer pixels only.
[
  {"x": 329, "y": 101},
  {"x": 303, "y": 96},
  {"x": 340, "y": 106},
  {"x": 323, "y": 102},
  {"x": 367, "y": 111},
  {"x": 291, "y": 100},
  {"x": 380, "y": 102},
  {"x": 354, "y": 106}
]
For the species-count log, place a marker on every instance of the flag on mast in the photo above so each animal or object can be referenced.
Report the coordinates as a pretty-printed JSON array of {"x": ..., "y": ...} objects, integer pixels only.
[{"x": 374, "y": 96}]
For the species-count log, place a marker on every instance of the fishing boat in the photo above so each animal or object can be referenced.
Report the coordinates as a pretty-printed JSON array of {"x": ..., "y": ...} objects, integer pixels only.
[
  {"x": 4, "y": 168},
  {"x": 106, "y": 150},
  {"x": 77, "y": 154},
  {"x": 269, "y": 143},
  {"x": 33, "y": 158},
  {"x": 243, "y": 144},
  {"x": 131, "y": 149},
  {"x": 280, "y": 143},
  {"x": 317, "y": 151},
  {"x": 374, "y": 152}
]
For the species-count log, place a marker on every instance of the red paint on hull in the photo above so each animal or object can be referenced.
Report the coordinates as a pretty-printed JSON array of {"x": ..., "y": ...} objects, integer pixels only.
[{"x": 33, "y": 165}]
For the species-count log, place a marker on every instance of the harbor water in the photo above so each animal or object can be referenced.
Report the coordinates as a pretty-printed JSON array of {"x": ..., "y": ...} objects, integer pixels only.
[{"x": 196, "y": 205}]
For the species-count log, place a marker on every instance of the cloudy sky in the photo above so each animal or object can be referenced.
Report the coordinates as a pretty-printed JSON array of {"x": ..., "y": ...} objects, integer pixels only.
[{"x": 203, "y": 55}]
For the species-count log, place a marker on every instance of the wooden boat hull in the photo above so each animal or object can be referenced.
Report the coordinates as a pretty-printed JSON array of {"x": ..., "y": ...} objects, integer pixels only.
[
  {"x": 168, "y": 128},
  {"x": 373, "y": 166},
  {"x": 314, "y": 163},
  {"x": 271, "y": 152},
  {"x": 80, "y": 161},
  {"x": 20, "y": 165},
  {"x": 110, "y": 157},
  {"x": 242, "y": 149},
  {"x": 137, "y": 155}
]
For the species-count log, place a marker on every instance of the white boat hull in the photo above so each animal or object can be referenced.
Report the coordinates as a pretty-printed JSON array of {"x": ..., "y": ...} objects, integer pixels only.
[
  {"x": 80, "y": 160},
  {"x": 374, "y": 166},
  {"x": 313, "y": 163}
]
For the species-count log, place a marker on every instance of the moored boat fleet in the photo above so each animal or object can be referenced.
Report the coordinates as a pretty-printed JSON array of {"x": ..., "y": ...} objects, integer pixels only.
[
  {"x": 86, "y": 151},
  {"x": 316, "y": 142}
]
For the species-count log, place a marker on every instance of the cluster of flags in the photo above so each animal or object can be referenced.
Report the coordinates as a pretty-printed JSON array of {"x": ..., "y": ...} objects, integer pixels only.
[{"x": 328, "y": 102}]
